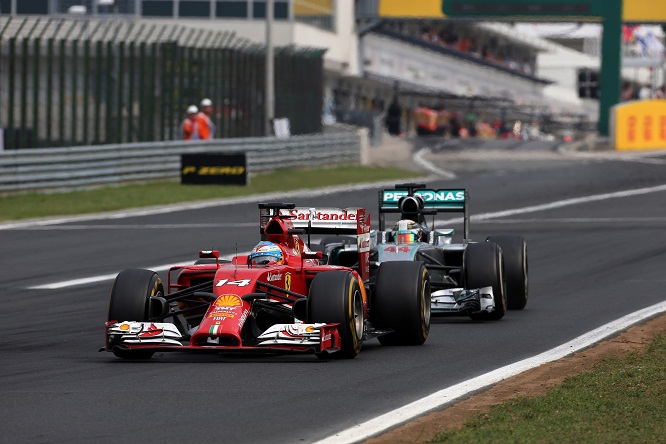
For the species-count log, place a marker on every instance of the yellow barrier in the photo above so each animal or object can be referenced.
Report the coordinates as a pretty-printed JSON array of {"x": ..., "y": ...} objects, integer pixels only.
[
  {"x": 640, "y": 125},
  {"x": 402, "y": 8},
  {"x": 643, "y": 11},
  {"x": 313, "y": 7}
]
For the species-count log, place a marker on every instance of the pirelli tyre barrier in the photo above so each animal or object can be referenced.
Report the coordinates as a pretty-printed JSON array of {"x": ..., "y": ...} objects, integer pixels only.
[
  {"x": 639, "y": 125},
  {"x": 213, "y": 168}
]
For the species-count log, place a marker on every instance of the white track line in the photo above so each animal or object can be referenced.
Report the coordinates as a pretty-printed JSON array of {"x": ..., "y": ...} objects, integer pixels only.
[
  {"x": 419, "y": 159},
  {"x": 558, "y": 204},
  {"x": 111, "y": 276},
  {"x": 448, "y": 395},
  {"x": 85, "y": 227}
]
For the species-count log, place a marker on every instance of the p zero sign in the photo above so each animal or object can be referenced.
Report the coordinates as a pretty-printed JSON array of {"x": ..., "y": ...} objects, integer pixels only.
[
  {"x": 640, "y": 125},
  {"x": 213, "y": 168}
]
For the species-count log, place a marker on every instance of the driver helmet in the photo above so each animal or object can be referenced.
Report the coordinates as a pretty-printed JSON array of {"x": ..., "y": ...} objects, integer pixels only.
[
  {"x": 407, "y": 231},
  {"x": 265, "y": 253}
]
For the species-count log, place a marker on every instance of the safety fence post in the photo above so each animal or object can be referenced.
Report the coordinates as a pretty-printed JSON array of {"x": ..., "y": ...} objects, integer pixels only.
[
  {"x": 62, "y": 56},
  {"x": 86, "y": 92},
  {"x": 120, "y": 106},
  {"x": 152, "y": 87},
  {"x": 110, "y": 85},
  {"x": 142, "y": 93},
  {"x": 49, "y": 91},
  {"x": 11, "y": 138},
  {"x": 217, "y": 100},
  {"x": 24, "y": 94},
  {"x": 35, "y": 92},
  {"x": 75, "y": 93},
  {"x": 131, "y": 84},
  {"x": 99, "y": 50},
  {"x": 183, "y": 95}
]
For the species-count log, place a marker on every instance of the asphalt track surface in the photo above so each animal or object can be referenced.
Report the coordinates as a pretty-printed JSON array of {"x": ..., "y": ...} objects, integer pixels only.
[{"x": 590, "y": 263}]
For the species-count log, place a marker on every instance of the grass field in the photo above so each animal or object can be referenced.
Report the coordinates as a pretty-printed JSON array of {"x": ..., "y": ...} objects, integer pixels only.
[
  {"x": 621, "y": 400},
  {"x": 161, "y": 193}
]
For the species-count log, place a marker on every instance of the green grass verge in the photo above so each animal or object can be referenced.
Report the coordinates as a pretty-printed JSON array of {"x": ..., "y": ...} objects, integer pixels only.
[
  {"x": 621, "y": 400},
  {"x": 167, "y": 192}
]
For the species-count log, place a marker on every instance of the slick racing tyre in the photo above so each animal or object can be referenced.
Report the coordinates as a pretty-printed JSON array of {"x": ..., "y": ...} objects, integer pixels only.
[
  {"x": 514, "y": 251},
  {"x": 401, "y": 302},
  {"x": 129, "y": 301},
  {"x": 335, "y": 296},
  {"x": 483, "y": 266}
]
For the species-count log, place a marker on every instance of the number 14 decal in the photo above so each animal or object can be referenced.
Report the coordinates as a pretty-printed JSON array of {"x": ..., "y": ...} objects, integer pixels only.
[{"x": 241, "y": 283}]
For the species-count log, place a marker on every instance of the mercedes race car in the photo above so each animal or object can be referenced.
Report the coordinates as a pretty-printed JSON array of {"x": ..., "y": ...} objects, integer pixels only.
[
  {"x": 280, "y": 298},
  {"x": 478, "y": 279}
]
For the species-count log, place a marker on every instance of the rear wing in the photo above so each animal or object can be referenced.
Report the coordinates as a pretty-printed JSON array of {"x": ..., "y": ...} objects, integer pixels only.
[
  {"x": 350, "y": 221},
  {"x": 415, "y": 201}
]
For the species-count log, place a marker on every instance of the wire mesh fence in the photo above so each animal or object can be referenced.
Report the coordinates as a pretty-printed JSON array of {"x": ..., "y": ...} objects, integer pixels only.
[{"x": 70, "y": 82}]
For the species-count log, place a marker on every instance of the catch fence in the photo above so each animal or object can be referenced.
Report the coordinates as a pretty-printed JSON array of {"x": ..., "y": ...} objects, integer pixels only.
[{"x": 69, "y": 82}]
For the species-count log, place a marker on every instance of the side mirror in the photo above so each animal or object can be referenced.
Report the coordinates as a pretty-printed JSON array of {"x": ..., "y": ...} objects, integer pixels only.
[
  {"x": 442, "y": 237},
  {"x": 209, "y": 254},
  {"x": 312, "y": 255}
]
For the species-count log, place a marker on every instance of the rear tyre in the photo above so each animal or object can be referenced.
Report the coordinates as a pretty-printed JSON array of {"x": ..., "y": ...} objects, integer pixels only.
[
  {"x": 335, "y": 296},
  {"x": 483, "y": 266},
  {"x": 401, "y": 302},
  {"x": 514, "y": 251},
  {"x": 129, "y": 301}
]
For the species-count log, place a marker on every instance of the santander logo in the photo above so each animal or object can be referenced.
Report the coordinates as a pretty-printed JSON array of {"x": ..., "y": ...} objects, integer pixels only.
[{"x": 272, "y": 277}]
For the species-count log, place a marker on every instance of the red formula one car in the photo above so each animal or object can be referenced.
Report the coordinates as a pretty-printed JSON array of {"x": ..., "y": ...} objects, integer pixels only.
[{"x": 280, "y": 298}]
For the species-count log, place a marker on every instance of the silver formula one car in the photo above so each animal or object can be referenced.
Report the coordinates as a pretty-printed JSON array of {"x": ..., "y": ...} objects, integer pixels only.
[{"x": 478, "y": 279}]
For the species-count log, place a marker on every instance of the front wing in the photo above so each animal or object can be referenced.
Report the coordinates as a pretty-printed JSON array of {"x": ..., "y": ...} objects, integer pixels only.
[
  {"x": 459, "y": 300},
  {"x": 279, "y": 338}
]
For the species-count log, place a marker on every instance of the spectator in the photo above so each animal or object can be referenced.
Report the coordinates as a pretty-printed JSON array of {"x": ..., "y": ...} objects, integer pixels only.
[
  {"x": 645, "y": 92},
  {"x": 627, "y": 92},
  {"x": 470, "y": 122},
  {"x": 205, "y": 126},
  {"x": 188, "y": 129},
  {"x": 454, "y": 125},
  {"x": 393, "y": 115}
]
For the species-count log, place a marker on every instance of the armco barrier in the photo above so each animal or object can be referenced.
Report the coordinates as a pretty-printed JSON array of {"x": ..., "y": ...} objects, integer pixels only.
[{"x": 80, "y": 167}]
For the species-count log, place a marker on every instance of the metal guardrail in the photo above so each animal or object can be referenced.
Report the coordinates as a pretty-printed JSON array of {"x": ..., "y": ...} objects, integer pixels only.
[{"x": 81, "y": 167}]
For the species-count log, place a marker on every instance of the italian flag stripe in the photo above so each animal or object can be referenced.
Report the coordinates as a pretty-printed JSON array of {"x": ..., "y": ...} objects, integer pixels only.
[{"x": 213, "y": 329}]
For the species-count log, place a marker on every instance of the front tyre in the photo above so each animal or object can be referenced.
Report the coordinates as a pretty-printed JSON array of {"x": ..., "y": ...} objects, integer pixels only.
[
  {"x": 401, "y": 302},
  {"x": 129, "y": 301},
  {"x": 483, "y": 266},
  {"x": 335, "y": 297},
  {"x": 514, "y": 251}
]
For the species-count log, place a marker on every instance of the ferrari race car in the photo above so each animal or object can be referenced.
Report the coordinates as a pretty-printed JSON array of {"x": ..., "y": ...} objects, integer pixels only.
[
  {"x": 478, "y": 279},
  {"x": 280, "y": 298}
]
